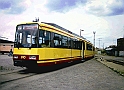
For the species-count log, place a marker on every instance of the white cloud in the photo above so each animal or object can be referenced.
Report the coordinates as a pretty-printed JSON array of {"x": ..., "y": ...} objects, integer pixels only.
[
  {"x": 73, "y": 20},
  {"x": 105, "y": 7},
  {"x": 14, "y": 6}
]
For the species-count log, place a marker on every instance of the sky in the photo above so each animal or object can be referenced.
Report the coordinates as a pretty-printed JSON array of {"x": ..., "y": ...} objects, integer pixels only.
[{"x": 105, "y": 17}]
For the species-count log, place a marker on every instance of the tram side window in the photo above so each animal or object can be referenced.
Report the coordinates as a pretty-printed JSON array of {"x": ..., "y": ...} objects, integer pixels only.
[
  {"x": 74, "y": 46},
  {"x": 89, "y": 47},
  {"x": 69, "y": 43},
  {"x": 44, "y": 38},
  {"x": 57, "y": 40},
  {"x": 80, "y": 45},
  {"x": 77, "y": 44},
  {"x": 83, "y": 45},
  {"x": 64, "y": 42}
]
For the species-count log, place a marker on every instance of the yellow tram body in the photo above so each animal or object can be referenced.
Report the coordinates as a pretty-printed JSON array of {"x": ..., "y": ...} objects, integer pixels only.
[{"x": 71, "y": 46}]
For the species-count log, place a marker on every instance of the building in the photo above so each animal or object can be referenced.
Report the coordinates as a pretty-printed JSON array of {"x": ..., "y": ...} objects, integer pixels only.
[
  {"x": 110, "y": 51},
  {"x": 120, "y": 46},
  {"x": 6, "y": 46}
]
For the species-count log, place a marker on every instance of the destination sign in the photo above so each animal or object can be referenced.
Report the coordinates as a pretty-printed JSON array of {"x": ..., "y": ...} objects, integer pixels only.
[
  {"x": 31, "y": 27},
  {"x": 28, "y": 27}
]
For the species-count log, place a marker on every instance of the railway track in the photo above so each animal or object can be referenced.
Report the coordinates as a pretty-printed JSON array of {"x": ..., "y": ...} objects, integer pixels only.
[
  {"x": 4, "y": 72},
  {"x": 116, "y": 61},
  {"x": 25, "y": 73},
  {"x": 15, "y": 75},
  {"x": 20, "y": 74}
]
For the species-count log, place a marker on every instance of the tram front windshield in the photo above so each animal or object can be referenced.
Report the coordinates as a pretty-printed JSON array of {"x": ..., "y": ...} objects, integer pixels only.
[{"x": 26, "y": 36}]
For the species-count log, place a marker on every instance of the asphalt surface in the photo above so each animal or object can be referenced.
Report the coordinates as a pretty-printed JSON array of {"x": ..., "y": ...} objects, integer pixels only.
[
  {"x": 6, "y": 64},
  {"x": 88, "y": 75},
  {"x": 115, "y": 63}
]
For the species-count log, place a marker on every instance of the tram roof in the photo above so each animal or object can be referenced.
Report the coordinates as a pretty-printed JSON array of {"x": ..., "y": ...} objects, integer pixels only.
[{"x": 57, "y": 26}]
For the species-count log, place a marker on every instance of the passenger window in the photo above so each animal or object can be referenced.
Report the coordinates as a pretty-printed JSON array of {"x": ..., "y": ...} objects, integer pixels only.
[
  {"x": 64, "y": 42},
  {"x": 89, "y": 47},
  {"x": 57, "y": 40},
  {"x": 69, "y": 42},
  {"x": 44, "y": 38}
]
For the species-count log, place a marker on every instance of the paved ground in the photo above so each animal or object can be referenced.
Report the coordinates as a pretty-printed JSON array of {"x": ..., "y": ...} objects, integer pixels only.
[
  {"x": 6, "y": 64},
  {"x": 89, "y": 75}
]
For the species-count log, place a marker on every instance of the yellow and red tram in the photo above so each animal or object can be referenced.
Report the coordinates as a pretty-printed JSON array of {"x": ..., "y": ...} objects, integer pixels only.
[{"x": 41, "y": 44}]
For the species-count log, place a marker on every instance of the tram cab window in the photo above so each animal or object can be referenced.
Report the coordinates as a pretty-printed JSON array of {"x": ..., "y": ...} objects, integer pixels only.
[
  {"x": 44, "y": 38},
  {"x": 28, "y": 39},
  {"x": 24, "y": 38},
  {"x": 20, "y": 37}
]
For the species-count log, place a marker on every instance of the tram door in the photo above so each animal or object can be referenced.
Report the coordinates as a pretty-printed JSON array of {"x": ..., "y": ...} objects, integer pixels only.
[
  {"x": 71, "y": 45},
  {"x": 83, "y": 48}
]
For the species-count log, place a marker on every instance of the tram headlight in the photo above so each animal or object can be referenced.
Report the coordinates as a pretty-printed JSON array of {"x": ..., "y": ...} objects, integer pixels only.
[
  {"x": 15, "y": 57},
  {"x": 32, "y": 57}
]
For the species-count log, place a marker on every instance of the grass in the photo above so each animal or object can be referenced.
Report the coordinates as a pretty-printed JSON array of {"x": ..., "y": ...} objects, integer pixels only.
[{"x": 117, "y": 71}]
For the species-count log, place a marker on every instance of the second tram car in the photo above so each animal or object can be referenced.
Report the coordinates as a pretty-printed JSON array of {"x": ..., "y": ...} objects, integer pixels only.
[{"x": 42, "y": 44}]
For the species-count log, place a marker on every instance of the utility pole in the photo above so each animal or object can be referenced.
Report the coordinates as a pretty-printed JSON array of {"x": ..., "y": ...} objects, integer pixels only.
[
  {"x": 123, "y": 31},
  {"x": 80, "y": 31},
  {"x": 103, "y": 46},
  {"x": 94, "y": 37},
  {"x": 99, "y": 42},
  {"x": 94, "y": 32}
]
